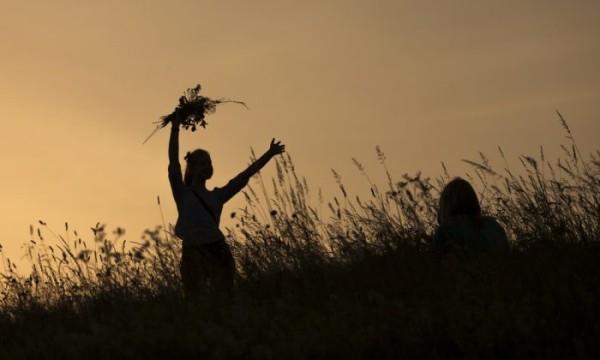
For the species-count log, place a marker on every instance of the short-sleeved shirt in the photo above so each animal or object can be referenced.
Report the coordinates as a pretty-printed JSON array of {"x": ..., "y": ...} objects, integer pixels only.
[
  {"x": 195, "y": 224},
  {"x": 470, "y": 235}
]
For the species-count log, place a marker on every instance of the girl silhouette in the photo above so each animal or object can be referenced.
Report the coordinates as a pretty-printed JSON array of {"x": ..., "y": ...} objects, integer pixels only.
[
  {"x": 206, "y": 261},
  {"x": 462, "y": 229}
]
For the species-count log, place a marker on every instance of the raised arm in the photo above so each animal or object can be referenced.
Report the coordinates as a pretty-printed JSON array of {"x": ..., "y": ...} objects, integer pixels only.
[
  {"x": 237, "y": 183},
  {"x": 175, "y": 177},
  {"x": 274, "y": 149}
]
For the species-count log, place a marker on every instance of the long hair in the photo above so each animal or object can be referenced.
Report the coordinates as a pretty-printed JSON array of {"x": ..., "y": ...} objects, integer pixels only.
[
  {"x": 458, "y": 198},
  {"x": 192, "y": 162}
]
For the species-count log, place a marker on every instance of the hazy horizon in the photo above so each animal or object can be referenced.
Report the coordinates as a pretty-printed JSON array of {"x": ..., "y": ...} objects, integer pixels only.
[{"x": 428, "y": 82}]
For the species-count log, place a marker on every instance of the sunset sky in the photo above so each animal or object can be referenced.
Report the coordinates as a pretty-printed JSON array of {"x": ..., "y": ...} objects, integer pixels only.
[{"x": 429, "y": 81}]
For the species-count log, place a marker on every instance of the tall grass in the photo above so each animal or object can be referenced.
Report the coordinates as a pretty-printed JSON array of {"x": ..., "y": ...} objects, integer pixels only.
[{"x": 329, "y": 277}]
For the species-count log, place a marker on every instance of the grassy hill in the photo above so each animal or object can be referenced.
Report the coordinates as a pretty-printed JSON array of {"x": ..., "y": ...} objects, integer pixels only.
[{"x": 357, "y": 281}]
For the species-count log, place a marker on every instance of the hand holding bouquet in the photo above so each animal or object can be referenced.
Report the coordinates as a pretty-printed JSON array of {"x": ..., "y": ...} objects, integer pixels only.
[{"x": 191, "y": 111}]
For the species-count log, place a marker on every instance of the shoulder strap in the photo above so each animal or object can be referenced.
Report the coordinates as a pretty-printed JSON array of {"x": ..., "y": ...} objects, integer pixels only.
[{"x": 212, "y": 215}]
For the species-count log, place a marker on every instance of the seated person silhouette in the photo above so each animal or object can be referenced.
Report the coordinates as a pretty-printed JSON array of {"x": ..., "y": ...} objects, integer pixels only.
[
  {"x": 207, "y": 265},
  {"x": 462, "y": 230}
]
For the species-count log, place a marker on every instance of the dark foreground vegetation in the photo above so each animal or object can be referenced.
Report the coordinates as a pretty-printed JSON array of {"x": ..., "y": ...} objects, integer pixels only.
[{"x": 353, "y": 278}]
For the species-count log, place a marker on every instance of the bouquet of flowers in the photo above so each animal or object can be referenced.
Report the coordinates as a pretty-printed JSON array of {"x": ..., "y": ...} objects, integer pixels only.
[{"x": 192, "y": 110}]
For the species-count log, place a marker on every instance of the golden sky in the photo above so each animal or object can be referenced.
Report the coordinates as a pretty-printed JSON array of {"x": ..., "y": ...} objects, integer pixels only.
[{"x": 82, "y": 81}]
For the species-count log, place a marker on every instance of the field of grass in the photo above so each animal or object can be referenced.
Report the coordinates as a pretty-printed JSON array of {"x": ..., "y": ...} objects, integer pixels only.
[{"x": 339, "y": 278}]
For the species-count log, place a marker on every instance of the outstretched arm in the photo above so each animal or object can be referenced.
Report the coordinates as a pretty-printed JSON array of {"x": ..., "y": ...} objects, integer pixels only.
[
  {"x": 275, "y": 148},
  {"x": 237, "y": 183},
  {"x": 175, "y": 177}
]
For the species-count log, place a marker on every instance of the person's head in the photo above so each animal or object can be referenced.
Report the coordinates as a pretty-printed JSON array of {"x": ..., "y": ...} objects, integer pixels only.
[
  {"x": 458, "y": 198},
  {"x": 198, "y": 166}
]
